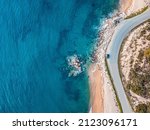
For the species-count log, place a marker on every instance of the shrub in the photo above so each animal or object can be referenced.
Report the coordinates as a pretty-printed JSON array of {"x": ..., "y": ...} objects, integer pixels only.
[
  {"x": 138, "y": 90},
  {"x": 148, "y": 37},
  {"x": 137, "y": 13},
  {"x": 148, "y": 107},
  {"x": 141, "y": 54},
  {"x": 147, "y": 54},
  {"x": 141, "y": 108},
  {"x": 143, "y": 32}
]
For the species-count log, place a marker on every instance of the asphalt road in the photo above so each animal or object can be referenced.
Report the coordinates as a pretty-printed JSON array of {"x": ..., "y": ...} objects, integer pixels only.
[{"x": 122, "y": 30}]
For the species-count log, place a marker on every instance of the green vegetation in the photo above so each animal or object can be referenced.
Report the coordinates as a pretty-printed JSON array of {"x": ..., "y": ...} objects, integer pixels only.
[
  {"x": 141, "y": 55},
  {"x": 136, "y": 89},
  {"x": 140, "y": 76},
  {"x": 143, "y": 108},
  {"x": 118, "y": 101},
  {"x": 139, "y": 82},
  {"x": 147, "y": 54},
  {"x": 143, "y": 32},
  {"x": 137, "y": 13},
  {"x": 148, "y": 37},
  {"x": 146, "y": 30}
]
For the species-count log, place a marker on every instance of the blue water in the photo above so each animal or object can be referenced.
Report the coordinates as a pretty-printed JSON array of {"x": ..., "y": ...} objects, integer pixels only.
[{"x": 36, "y": 36}]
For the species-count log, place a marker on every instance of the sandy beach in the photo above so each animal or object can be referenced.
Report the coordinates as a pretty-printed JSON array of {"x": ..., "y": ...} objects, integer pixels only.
[
  {"x": 125, "y": 5},
  {"x": 103, "y": 97},
  {"x": 96, "y": 83}
]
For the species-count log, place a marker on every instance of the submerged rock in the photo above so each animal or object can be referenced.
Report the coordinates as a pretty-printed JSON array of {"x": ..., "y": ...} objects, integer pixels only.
[{"x": 75, "y": 65}]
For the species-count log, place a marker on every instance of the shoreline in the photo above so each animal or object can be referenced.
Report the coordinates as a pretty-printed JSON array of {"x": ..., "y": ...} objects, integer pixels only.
[
  {"x": 107, "y": 95},
  {"x": 96, "y": 92}
]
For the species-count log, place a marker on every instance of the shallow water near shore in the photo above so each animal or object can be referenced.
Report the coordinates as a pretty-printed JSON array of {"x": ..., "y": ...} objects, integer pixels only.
[{"x": 36, "y": 37}]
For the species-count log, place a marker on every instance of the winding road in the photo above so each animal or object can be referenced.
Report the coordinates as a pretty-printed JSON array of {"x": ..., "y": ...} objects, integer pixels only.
[{"x": 122, "y": 30}]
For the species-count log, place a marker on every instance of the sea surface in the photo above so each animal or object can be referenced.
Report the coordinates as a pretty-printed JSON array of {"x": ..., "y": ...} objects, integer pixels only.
[{"x": 36, "y": 39}]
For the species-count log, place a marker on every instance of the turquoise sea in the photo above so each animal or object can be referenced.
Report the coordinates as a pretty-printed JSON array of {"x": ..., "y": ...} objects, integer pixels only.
[{"x": 36, "y": 38}]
